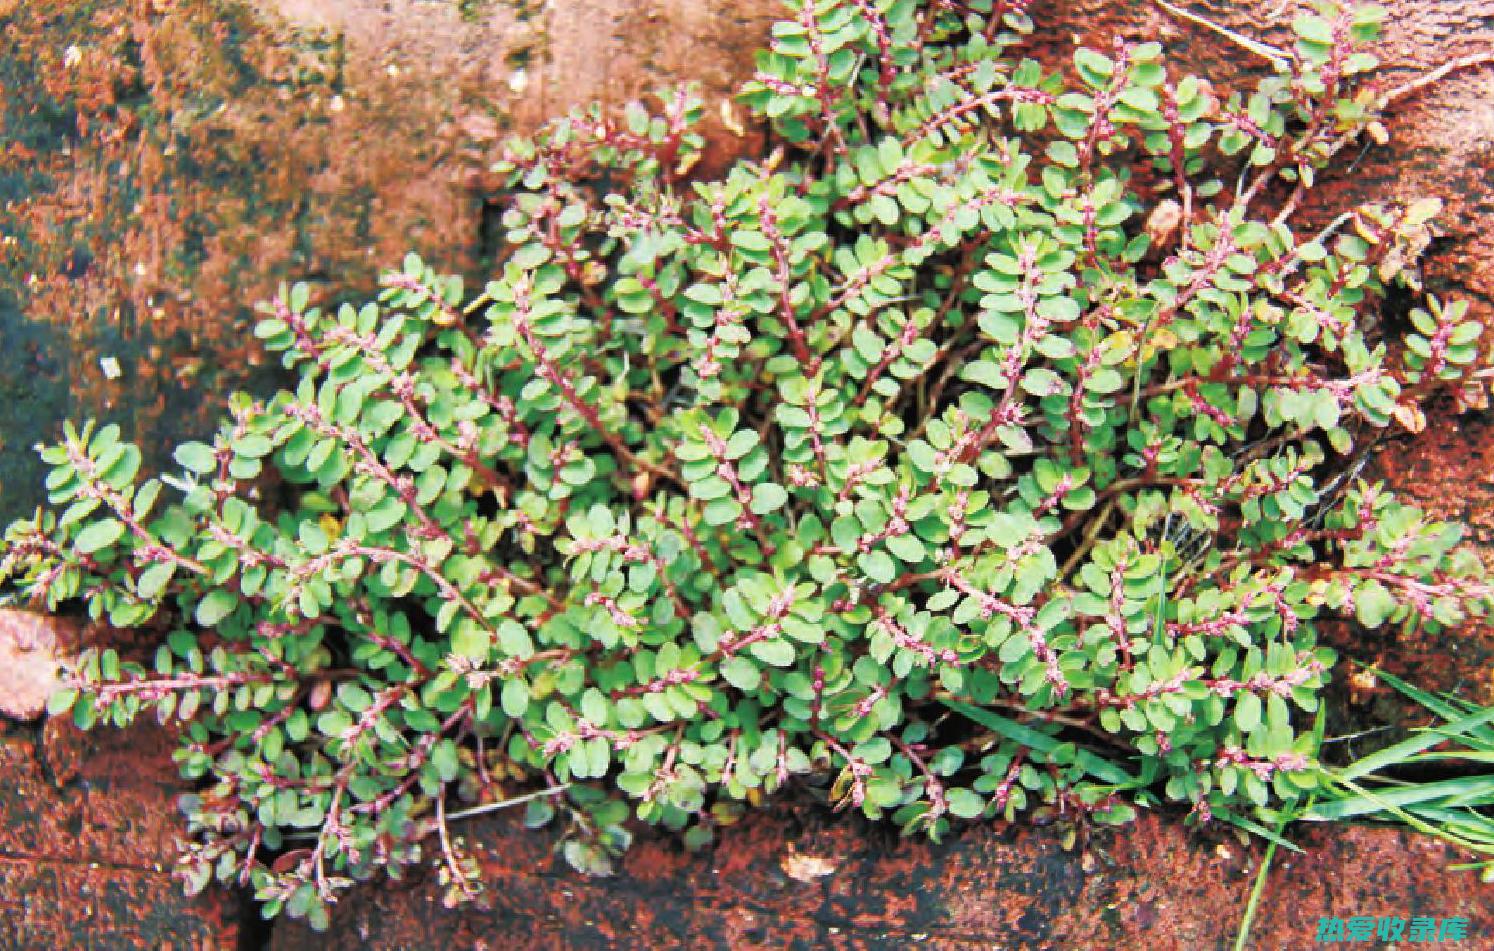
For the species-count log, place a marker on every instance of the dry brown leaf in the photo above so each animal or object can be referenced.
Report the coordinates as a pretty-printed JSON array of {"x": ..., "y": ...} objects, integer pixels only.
[
  {"x": 1163, "y": 222},
  {"x": 1410, "y": 416},
  {"x": 29, "y": 662},
  {"x": 807, "y": 868}
]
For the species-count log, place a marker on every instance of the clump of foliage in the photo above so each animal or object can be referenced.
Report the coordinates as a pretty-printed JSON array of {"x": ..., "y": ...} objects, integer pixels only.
[{"x": 992, "y": 444}]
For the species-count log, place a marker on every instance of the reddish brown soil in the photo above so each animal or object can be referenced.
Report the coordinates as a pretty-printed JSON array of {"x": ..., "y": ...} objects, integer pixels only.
[
  {"x": 88, "y": 837},
  {"x": 1151, "y": 885}
]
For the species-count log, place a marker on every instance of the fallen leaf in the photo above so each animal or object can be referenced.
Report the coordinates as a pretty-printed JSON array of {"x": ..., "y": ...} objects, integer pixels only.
[
  {"x": 1163, "y": 222},
  {"x": 807, "y": 868},
  {"x": 1410, "y": 416},
  {"x": 730, "y": 120}
]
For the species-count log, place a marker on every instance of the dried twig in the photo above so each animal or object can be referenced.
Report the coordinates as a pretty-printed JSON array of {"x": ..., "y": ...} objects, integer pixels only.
[{"x": 1278, "y": 58}]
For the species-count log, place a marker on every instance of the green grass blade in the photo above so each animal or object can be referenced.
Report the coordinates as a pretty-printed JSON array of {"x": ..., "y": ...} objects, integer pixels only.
[
  {"x": 1470, "y": 756},
  {"x": 1472, "y": 740},
  {"x": 1415, "y": 822},
  {"x": 1255, "y": 828},
  {"x": 1097, "y": 766},
  {"x": 1453, "y": 709},
  {"x": 1259, "y": 887},
  {"x": 1470, "y": 825},
  {"x": 1398, "y": 752},
  {"x": 1471, "y": 791}
]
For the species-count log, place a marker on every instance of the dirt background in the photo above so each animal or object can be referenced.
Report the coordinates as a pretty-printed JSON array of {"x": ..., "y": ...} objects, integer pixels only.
[{"x": 166, "y": 163}]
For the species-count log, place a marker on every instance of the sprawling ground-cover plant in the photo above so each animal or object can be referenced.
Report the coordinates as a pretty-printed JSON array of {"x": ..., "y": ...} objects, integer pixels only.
[{"x": 992, "y": 443}]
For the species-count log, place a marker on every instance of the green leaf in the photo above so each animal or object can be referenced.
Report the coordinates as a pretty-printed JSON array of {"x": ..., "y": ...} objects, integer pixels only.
[
  {"x": 1247, "y": 711},
  {"x": 252, "y": 446},
  {"x": 708, "y": 294},
  {"x": 61, "y": 701},
  {"x": 1314, "y": 29},
  {"x": 965, "y": 803},
  {"x": 385, "y": 515},
  {"x": 515, "y": 640},
  {"x": 741, "y": 673},
  {"x": 196, "y": 457},
  {"x": 845, "y": 532},
  {"x": 906, "y": 547},
  {"x": 740, "y": 443},
  {"x": 1373, "y": 604},
  {"x": 334, "y": 723},
  {"x": 768, "y": 497},
  {"x": 515, "y": 697},
  {"x": 154, "y": 579},
  {"x": 446, "y": 760},
  {"x": 97, "y": 535},
  {"x": 470, "y": 641},
  {"x": 1040, "y": 381},
  {"x": 299, "y": 295},
  {"x": 354, "y": 697},
  {"x": 216, "y": 605},
  {"x": 722, "y": 512},
  {"x": 775, "y": 651},
  {"x": 877, "y": 566}
]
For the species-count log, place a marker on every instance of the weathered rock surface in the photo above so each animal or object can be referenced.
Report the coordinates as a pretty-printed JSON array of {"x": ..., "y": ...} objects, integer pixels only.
[
  {"x": 88, "y": 830},
  {"x": 1151, "y": 885},
  {"x": 164, "y": 164}
]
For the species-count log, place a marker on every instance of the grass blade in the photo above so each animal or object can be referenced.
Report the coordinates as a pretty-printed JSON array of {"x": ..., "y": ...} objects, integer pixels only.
[
  {"x": 1453, "y": 709},
  {"x": 1096, "y": 766},
  {"x": 1472, "y": 791},
  {"x": 1399, "y": 752},
  {"x": 1259, "y": 887}
]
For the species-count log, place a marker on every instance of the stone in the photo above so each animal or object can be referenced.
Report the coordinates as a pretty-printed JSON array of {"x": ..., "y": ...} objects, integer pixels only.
[{"x": 30, "y": 661}]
